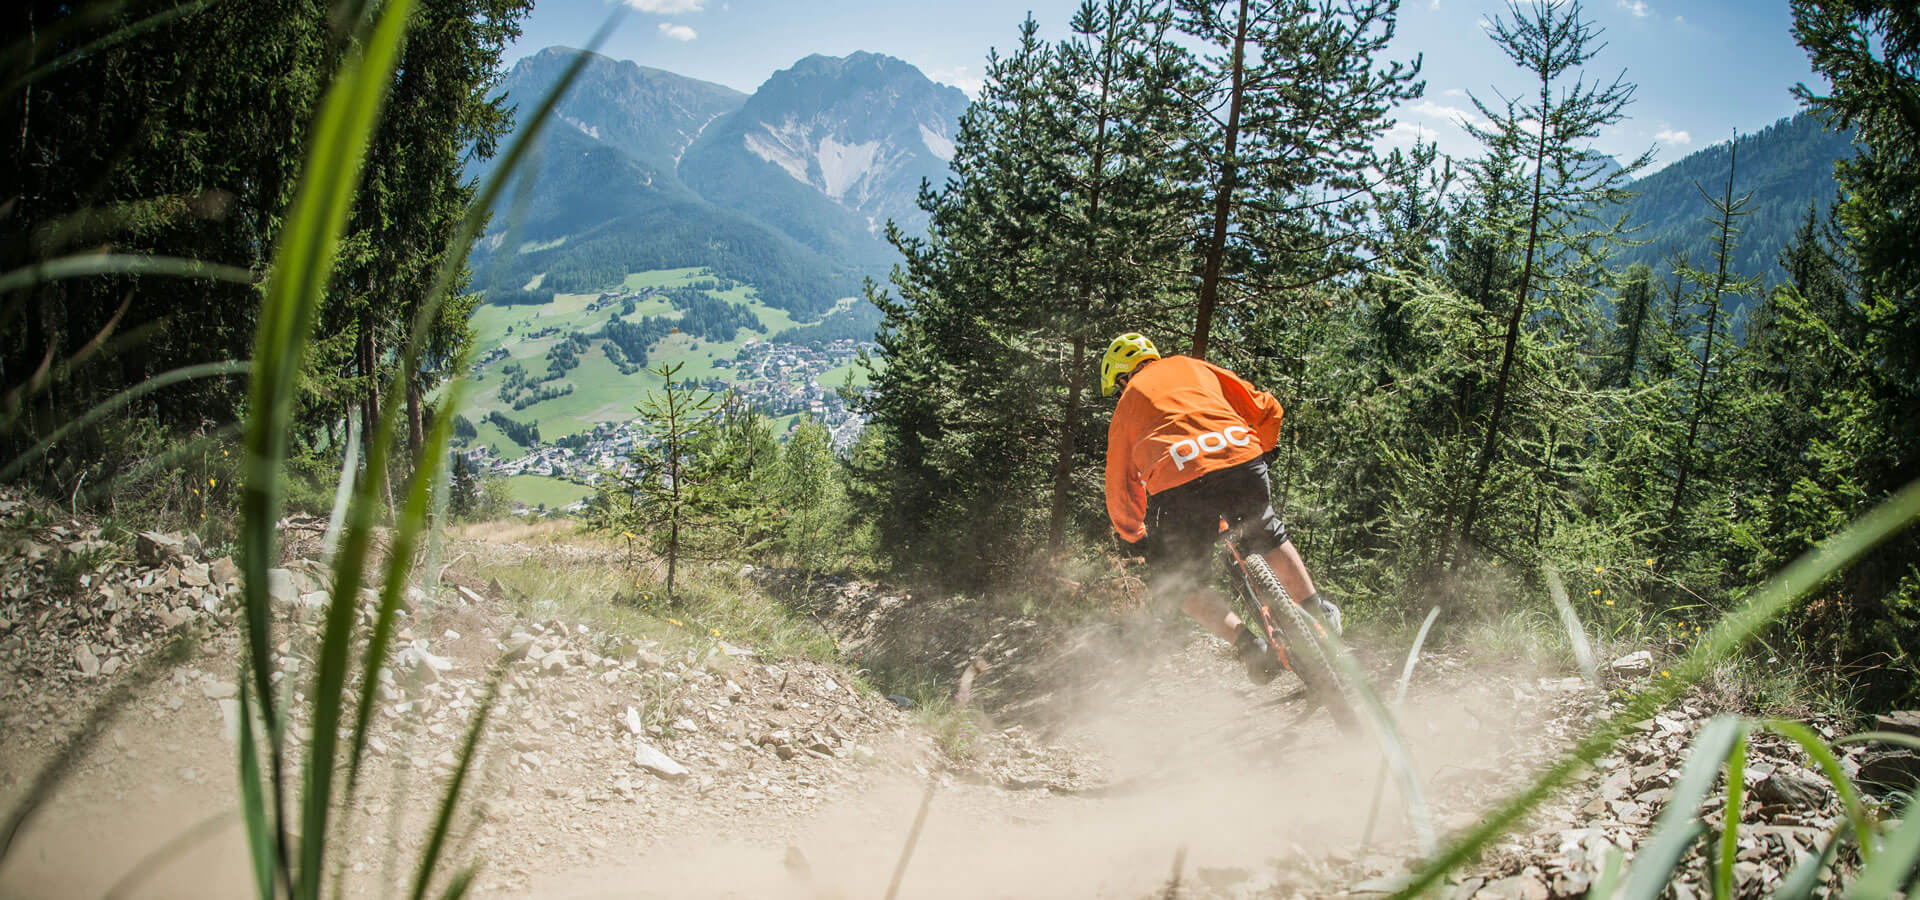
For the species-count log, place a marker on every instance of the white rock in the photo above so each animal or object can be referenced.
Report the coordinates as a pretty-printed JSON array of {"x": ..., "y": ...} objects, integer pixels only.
[
  {"x": 89, "y": 664},
  {"x": 1639, "y": 662},
  {"x": 633, "y": 722},
  {"x": 646, "y": 757},
  {"x": 417, "y": 656},
  {"x": 280, "y": 587},
  {"x": 219, "y": 690},
  {"x": 224, "y": 572}
]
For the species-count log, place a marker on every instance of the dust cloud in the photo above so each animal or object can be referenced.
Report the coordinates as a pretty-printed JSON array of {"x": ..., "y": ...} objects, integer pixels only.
[{"x": 1246, "y": 780}]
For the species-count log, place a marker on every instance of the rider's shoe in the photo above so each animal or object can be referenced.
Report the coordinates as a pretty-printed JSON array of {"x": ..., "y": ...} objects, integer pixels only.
[
  {"x": 1329, "y": 614},
  {"x": 1262, "y": 665}
]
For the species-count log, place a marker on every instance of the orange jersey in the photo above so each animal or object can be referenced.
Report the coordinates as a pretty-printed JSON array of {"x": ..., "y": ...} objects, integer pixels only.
[{"x": 1179, "y": 419}]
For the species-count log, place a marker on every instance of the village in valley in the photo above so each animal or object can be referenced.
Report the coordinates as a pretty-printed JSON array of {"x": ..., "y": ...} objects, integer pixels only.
[{"x": 784, "y": 381}]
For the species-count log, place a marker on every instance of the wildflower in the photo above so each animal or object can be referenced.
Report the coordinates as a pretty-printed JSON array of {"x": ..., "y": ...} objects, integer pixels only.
[
  {"x": 678, "y": 622},
  {"x": 1597, "y": 570},
  {"x": 1665, "y": 674},
  {"x": 1596, "y": 592},
  {"x": 1609, "y": 601},
  {"x": 628, "y": 534},
  {"x": 1649, "y": 562},
  {"x": 714, "y": 631}
]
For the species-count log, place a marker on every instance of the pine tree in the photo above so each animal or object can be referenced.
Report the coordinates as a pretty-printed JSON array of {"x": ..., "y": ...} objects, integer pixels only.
[
  {"x": 1116, "y": 242},
  {"x": 1631, "y": 311},
  {"x": 1290, "y": 101},
  {"x": 1870, "y": 442},
  {"x": 661, "y": 498},
  {"x": 1063, "y": 221}
]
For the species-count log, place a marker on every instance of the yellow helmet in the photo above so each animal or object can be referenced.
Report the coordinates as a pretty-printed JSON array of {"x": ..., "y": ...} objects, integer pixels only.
[{"x": 1125, "y": 354}]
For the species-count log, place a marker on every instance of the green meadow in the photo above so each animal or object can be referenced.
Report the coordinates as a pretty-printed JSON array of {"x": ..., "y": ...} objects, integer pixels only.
[{"x": 601, "y": 393}]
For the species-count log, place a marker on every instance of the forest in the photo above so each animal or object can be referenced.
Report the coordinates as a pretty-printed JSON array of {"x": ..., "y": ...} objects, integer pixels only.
[
  {"x": 175, "y": 142},
  {"x": 1479, "y": 388},
  {"x": 1485, "y": 378}
]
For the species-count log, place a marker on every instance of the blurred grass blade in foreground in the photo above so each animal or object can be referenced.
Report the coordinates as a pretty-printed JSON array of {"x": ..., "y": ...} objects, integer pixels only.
[
  {"x": 302, "y": 263},
  {"x": 1765, "y": 605}
]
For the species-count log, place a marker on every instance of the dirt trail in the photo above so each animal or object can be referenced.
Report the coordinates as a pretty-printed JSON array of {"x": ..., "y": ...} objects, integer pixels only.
[
  {"x": 1193, "y": 761},
  {"x": 1093, "y": 763}
]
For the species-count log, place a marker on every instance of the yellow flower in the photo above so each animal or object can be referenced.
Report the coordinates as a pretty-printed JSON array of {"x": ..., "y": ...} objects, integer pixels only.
[
  {"x": 1609, "y": 601},
  {"x": 212, "y": 483},
  {"x": 1649, "y": 562},
  {"x": 714, "y": 631},
  {"x": 1665, "y": 674},
  {"x": 1596, "y": 592},
  {"x": 678, "y": 622},
  {"x": 1597, "y": 570},
  {"x": 629, "y": 534}
]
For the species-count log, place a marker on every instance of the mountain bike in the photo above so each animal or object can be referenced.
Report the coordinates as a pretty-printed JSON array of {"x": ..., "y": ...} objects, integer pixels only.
[{"x": 1298, "y": 639}]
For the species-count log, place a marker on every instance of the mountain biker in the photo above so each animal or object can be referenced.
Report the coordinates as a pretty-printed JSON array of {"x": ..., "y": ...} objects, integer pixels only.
[{"x": 1189, "y": 445}]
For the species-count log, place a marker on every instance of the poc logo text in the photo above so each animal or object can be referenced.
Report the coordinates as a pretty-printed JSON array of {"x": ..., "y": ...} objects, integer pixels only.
[{"x": 1187, "y": 450}]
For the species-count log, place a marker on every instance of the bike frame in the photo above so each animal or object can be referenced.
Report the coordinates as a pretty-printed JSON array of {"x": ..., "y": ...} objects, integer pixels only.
[{"x": 1275, "y": 639}]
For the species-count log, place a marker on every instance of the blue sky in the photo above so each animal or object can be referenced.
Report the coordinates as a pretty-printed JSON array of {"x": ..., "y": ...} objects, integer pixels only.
[{"x": 1703, "y": 67}]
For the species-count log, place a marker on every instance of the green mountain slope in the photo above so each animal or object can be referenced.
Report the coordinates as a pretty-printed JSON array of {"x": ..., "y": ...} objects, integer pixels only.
[
  {"x": 596, "y": 214},
  {"x": 1786, "y": 166},
  {"x": 604, "y": 201},
  {"x": 649, "y": 114}
]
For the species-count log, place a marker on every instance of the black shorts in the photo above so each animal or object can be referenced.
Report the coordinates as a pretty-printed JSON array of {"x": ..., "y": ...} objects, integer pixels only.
[{"x": 1183, "y": 522}]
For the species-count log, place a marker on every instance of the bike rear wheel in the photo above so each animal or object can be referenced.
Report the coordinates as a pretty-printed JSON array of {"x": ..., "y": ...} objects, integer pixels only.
[{"x": 1307, "y": 653}]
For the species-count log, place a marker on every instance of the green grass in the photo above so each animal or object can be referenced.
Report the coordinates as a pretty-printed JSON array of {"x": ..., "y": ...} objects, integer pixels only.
[
  {"x": 545, "y": 490},
  {"x": 837, "y": 376},
  {"x": 714, "y": 606}
]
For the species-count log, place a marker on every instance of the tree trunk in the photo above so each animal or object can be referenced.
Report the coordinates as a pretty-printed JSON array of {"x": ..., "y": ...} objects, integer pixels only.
[
  {"x": 1063, "y": 463},
  {"x": 1490, "y": 447},
  {"x": 1685, "y": 452},
  {"x": 673, "y": 505},
  {"x": 416, "y": 425},
  {"x": 1077, "y": 362},
  {"x": 1223, "y": 198}
]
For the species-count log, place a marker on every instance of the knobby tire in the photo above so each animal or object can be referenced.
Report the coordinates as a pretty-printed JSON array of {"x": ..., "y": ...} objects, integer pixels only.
[{"x": 1306, "y": 652}]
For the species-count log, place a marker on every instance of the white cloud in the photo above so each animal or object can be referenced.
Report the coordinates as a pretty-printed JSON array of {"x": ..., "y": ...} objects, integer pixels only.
[
  {"x": 1454, "y": 92},
  {"x": 1452, "y": 114},
  {"x": 666, "y": 7},
  {"x": 1674, "y": 138},
  {"x": 961, "y": 77},
  {"x": 1637, "y": 7},
  {"x": 678, "y": 32},
  {"x": 1406, "y": 133}
]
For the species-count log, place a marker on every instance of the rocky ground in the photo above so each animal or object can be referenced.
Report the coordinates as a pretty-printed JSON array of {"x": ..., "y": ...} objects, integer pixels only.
[{"x": 1088, "y": 762}]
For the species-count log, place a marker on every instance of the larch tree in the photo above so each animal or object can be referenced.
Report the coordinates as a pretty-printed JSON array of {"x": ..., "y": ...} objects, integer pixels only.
[{"x": 1556, "y": 230}]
